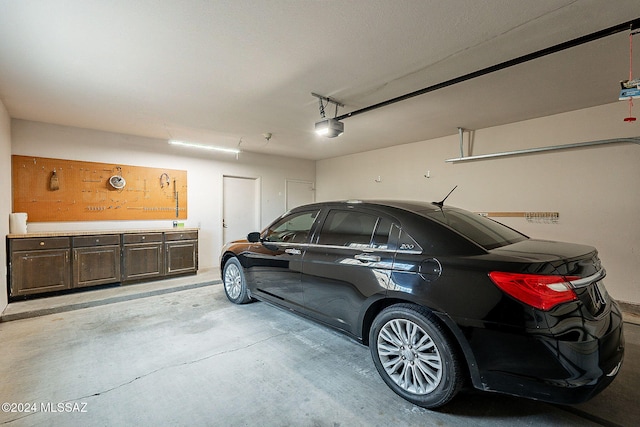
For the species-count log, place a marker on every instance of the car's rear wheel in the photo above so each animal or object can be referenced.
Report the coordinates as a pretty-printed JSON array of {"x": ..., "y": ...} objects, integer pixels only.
[
  {"x": 235, "y": 285},
  {"x": 414, "y": 356}
]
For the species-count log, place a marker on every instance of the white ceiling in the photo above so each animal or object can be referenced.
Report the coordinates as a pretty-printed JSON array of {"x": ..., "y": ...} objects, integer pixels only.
[{"x": 223, "y": 71}]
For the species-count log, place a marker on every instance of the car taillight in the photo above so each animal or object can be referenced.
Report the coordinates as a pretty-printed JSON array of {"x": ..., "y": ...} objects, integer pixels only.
[{"x": 539, "y": 291}]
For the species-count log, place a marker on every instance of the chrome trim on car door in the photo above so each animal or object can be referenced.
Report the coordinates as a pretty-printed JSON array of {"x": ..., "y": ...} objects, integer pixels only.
[
  {"x": 354, "y": 248},
  {"x": 367, "y": 258}
]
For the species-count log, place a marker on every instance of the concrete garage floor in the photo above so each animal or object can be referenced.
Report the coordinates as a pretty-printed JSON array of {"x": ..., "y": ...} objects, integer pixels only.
[{"x": 188, "y": 357}]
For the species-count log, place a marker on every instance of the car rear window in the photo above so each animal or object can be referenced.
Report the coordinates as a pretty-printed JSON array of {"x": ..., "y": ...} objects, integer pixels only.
[{"x": 485, "y": 232}]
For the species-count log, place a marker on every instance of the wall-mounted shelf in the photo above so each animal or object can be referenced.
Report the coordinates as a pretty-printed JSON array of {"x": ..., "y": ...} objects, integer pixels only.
[
  {"x": 635, "y": 140},
  {"x": 546, "y": 217}
]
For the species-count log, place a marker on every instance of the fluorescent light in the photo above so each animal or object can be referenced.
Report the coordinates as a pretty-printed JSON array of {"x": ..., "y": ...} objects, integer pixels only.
[{"x": 203, "y": 147}]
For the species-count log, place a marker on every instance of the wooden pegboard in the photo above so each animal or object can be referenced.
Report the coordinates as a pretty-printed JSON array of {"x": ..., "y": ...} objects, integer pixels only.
[{"x": 84, "y": 194}]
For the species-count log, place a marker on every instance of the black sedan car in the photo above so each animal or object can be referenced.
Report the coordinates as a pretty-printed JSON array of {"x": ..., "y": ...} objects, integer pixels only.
[{"x": 441, "y": 296}]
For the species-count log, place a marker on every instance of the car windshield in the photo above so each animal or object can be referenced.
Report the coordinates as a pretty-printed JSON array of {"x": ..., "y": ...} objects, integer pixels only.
[{"x": 484, "y": 231}]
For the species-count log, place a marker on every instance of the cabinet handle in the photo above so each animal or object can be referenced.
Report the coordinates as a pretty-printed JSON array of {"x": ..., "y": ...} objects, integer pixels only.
[{"x": 41, "y": 243}]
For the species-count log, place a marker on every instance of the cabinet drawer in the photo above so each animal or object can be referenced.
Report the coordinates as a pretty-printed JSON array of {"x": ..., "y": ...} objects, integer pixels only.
[
  {"x": 181, "y": 235},
  {"x": 142, "y": 238},
  {"x": 40, "y": 243},
  {"x": 98, "y": 240}
]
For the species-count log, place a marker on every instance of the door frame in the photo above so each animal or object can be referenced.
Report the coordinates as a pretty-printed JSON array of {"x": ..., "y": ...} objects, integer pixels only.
[
  {"x": 299, "y": 181},
  {"x": 258, "y": 201}
]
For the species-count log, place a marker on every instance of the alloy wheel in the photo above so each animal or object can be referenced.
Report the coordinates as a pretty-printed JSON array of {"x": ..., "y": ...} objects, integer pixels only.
[
  {"x": 233, "y": 281},
  {"x": 409, "y": 356}
]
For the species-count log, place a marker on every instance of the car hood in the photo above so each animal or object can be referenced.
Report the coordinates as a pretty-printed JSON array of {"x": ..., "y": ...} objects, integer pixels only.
[
  {"x": 233, "y": 243},
  {"x": 566, "y": 258}
]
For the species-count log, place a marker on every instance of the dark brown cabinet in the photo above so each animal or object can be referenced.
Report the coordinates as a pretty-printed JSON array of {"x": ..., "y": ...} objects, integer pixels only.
[
  {"x": 39, "y": 265},
  {"x": 143, "y": 257},
  {"x": 96, "y": 260},
  {"x": 181, "y": 252}
]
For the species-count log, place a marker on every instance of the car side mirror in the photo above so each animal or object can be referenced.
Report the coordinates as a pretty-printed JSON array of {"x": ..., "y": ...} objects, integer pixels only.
[{"x": 253, "y": 237}]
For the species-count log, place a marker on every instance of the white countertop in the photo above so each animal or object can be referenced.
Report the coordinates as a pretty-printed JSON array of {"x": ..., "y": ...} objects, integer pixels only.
[{"x": 41, "y": 234}]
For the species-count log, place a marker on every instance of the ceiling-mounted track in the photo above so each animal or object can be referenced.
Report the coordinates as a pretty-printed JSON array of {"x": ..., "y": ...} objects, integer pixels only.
[{"x": 625, "y": 26}]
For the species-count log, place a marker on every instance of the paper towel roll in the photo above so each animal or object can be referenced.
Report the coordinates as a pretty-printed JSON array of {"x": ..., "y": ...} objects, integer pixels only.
[{"x": 18, "y": 223}]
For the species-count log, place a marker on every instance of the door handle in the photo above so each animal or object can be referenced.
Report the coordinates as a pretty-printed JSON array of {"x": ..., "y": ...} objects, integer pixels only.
[
  {"x": 292, "y": 251},
  {"x": 367, "y": 258}
]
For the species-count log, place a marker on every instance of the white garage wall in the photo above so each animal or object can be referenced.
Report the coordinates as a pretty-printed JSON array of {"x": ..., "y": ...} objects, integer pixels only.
[
  {"x": 595, "y": 190},
  {"x": 204, "y": 175},
  {"x": 5, "y": 195}
]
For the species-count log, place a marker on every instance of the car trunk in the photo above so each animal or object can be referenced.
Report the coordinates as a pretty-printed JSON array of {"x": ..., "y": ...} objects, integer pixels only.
[
  {"x": 568, "y": 259},
  {"x": 580, "y": 263}
]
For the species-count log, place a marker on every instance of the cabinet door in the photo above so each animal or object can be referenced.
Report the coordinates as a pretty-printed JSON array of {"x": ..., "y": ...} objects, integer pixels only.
[
  {"x": 96, "y": 265},
  {"x": 182, "y": 256},
  {"x": 142, "y": 261},
  {"x": 39, "y": 271}
]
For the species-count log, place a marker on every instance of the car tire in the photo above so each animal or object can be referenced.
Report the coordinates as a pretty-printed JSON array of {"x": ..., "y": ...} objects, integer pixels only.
[
  {"x": 235, "y": 285},
  {"x": 414, "y": 356}
]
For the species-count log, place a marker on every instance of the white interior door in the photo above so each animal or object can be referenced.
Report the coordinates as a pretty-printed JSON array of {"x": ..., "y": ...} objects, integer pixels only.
[
  {"x": 299, "y": 193},
  {"x": 240, "y": 212}
]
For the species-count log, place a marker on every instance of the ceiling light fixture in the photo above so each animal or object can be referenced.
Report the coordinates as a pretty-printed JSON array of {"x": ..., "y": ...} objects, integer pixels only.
[
  {"x": 203, "y": 147},
  {"x": 328, "y": 127}
]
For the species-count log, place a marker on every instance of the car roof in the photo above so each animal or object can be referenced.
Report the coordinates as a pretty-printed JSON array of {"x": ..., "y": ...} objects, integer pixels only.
[{"x": 418, "y": 207}]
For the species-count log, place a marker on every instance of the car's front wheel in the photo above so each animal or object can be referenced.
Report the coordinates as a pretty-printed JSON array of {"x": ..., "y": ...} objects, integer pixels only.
[
  {"x": 414, "y": 356},
  {"x": 235, "y": 285}
]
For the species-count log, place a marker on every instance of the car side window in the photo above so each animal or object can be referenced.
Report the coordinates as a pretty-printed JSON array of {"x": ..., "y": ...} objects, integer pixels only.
[
  {"x": 381, "y": 235},
  {"x": 294, "y": 228},
  {"x": 348, "y": 228}
]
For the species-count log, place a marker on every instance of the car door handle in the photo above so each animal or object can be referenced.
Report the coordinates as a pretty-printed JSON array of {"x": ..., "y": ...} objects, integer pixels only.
[
  {"x": 292, "y": 251},
  {"x": 367, "y": 258}
]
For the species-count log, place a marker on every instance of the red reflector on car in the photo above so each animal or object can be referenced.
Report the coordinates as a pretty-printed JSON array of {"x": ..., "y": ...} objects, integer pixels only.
[{"x": 539, "y": 291}]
